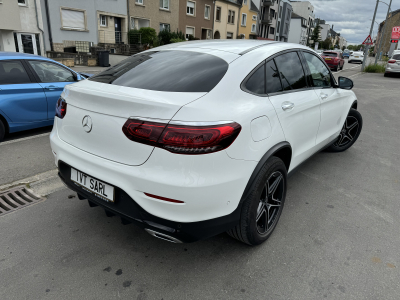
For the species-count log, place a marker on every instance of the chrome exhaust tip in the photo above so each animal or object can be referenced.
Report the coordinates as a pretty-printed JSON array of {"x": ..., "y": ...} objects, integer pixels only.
[{"x": 163, "y": 236}]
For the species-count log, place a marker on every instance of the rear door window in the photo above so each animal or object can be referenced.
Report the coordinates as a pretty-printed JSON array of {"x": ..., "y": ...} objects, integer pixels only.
[
  {"x": 13, "y": 72},
  {"x": 291, "y": 71},
  {"x": 168, "y": 71}
]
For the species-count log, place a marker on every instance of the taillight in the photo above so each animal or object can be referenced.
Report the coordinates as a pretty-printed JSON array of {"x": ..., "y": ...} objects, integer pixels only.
[
  {"x": 61, "y": 108},
  {"x": 392, "y": 61},
  {"x": 182, "y": 139}
]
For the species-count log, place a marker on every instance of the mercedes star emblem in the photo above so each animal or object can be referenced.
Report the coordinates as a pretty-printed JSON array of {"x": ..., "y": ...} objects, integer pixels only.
[{"x": 87, "y": 123}]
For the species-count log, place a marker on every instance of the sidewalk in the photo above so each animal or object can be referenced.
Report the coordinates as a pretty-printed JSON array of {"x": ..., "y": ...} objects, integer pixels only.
[{"x": 90, "y": 70}]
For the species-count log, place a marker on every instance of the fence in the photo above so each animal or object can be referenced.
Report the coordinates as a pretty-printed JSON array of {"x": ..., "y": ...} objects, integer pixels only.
[{"x": 119, "y": 37}]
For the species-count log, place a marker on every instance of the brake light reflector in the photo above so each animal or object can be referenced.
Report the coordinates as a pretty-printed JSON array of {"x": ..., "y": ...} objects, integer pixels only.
[
  {"x": 61, "y": 108},
  {"x": 392, "y": 61},
  {"x": 163, "y": 198},
  {"x": 182, "y": 139}
]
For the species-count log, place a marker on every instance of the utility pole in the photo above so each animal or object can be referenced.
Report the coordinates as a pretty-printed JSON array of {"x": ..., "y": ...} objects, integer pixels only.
[
  {"x": 383, "y": 34},
  {"x": 370, "y": 32}
]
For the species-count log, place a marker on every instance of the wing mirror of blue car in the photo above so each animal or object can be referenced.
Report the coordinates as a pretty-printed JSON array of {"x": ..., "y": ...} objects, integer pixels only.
[{"x": 345, "y": 83}]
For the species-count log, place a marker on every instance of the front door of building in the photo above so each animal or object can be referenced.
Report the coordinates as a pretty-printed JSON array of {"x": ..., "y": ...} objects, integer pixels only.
[
  {"x": 26, "y": 43},
  {"x": 118, "y": 30}
]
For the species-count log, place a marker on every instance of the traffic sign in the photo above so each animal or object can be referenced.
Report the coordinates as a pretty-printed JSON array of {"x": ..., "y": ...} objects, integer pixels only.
[
  {"x": 396, "y": 33},
  {"x": 368, "y": 41}
]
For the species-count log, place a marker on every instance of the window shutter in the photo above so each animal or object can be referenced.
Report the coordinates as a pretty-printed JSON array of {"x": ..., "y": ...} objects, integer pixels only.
[
  {"x": 190, "y": 4},
  {"x": 73, "y": 19}
]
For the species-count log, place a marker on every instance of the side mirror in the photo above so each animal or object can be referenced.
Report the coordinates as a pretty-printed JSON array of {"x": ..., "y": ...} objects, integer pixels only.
[{"x": 345, "y": 83}]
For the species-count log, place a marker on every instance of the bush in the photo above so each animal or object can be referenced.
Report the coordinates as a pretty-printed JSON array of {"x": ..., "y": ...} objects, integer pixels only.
[
  {"x": 378, "y": 68},
  {"x": 190, "y": 37},
  {"x": 148, "y": 35},
  {"x": 165, "y": 36},
  {"x": 133, "y": 36},
  {"x": 177, "y": 40}
]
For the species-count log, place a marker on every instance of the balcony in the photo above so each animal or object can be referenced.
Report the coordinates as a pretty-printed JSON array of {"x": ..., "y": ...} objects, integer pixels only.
[
  {"x": 266, "y": 3},
  {"x": 267, "y": 19}
]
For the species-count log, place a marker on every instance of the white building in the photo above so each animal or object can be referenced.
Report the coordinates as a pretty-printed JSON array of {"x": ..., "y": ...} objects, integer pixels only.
[
  {"x": 283, "y": 22},
  {"x": 324, "y": 33},
  {"x": 21, "y": 26},
  {"x": 305, "y": 10},
  {"x": 268, "y": 19},
  {"x": 298, "y": 30}
]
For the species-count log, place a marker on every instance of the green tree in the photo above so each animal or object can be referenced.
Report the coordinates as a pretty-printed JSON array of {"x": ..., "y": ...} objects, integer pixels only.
[
  {"x": 148, "y": 35},
  {"x": 326, "y": 45},
  {"x": 315, "y": 35}
]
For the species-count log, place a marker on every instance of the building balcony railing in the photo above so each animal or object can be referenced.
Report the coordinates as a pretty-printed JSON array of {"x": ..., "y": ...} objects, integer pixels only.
[
  {"x": 268, "y": 2},
  {"x": 267, "y": 19}
]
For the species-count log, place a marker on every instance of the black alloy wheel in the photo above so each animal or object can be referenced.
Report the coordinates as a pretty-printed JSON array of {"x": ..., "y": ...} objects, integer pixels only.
[{"x": 350, "y": 132}]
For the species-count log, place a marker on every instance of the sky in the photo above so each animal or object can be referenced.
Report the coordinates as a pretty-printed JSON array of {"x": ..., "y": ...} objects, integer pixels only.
[{"x": 352, "y": 18}]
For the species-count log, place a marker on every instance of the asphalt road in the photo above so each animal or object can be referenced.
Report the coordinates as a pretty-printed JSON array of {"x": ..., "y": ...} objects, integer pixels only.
[{"x": 337, "y": 238}]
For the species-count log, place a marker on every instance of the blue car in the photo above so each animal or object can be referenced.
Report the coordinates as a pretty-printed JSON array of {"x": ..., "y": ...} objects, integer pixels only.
[
  {"x": 346, "y": 54},
  {"x": 30, "y": 86}
]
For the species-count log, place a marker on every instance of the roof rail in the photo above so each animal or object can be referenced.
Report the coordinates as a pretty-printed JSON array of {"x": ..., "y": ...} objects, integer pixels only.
[{"x": 259, "y": 46}]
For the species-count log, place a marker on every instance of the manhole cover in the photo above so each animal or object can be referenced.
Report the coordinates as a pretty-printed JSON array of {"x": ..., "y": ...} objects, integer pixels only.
[{"x": 16, "y": 198}]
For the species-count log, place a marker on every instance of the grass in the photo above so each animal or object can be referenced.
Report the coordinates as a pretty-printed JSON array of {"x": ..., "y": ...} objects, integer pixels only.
[{"x": 378, "y": 68}]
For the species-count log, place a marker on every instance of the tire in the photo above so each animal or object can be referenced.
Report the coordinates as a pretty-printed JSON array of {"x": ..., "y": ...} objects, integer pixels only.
[
  {"x": 386, "y": 75},
  {"x": 336, "y": 68},
  {"x": 2, "y": 131},
  {"x": 350, "y": 132},
  {"x": 256, "y": 223}
]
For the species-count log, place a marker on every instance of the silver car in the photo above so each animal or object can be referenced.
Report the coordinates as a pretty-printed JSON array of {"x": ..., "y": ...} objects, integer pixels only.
[{"x": 393, "y": 65}]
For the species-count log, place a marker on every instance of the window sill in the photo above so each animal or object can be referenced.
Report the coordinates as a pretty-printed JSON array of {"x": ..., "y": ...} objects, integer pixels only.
[
  {"x": 219, "y": 21},
  {"x": 166, "y": 10},
  {"x": 138, "y": 4},
  {"x": 242, "y": 25},
  {"x": 208, "y": 19},
  {"x": 190, "y": 15},
  {"x": 72, "y": 29},
  {"x": 103, "y": 26}
]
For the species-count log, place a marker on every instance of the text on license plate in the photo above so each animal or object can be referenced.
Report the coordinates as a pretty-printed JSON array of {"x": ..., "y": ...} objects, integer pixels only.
[
  {"x": 357, "y": 57},
  {"x": 100, "y": 189},
  {"x": 328, "y": 58}
]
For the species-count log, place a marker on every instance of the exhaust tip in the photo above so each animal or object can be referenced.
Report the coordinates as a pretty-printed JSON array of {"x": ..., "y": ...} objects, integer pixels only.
[{"x": 163, "y": 236}]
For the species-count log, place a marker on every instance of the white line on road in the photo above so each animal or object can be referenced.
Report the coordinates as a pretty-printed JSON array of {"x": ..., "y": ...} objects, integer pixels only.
[
  {"x": 24, "y": 139},
  {"x": 347, "y": 69}
]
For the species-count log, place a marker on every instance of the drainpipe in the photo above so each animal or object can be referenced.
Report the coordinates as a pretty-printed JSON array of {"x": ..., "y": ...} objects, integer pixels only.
[
  {"x": 239, "y": 20},
  {"x": 213, "y": 20},
  {"x": 37, "y": 22},
  {"x": 49, "y": 25},
  {"x": 129, "y": 17}
]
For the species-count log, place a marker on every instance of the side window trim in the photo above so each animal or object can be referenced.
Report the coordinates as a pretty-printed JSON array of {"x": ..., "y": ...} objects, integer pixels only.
[
  {"x": 31, "y": 77},
  {"x": 30, "y": 72},
  {"x": 330, "y": 72}
]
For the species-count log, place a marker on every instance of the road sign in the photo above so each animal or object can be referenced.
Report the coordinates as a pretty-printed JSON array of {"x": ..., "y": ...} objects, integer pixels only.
[
  {"x": 396, "y": 33},
  {"x": 368, "y": 41}
]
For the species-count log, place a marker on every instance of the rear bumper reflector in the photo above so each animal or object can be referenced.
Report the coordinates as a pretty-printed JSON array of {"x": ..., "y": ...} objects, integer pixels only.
[{"x": 163, "y": 198}]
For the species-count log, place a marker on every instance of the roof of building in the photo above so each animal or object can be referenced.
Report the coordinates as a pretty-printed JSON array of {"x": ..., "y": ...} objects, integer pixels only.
[
  {"x": 296, "y": 16},
  {"x": 253, "y": 7}
]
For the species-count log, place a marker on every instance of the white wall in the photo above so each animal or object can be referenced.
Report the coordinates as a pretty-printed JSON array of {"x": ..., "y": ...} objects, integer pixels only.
[
  {"x": 295, "y": 31},
  {"x": 7, "y": 41},
  {"x": 324, "y": 31}
]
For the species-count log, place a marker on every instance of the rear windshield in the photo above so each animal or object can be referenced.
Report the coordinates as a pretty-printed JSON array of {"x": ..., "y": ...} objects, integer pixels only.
[
  {"x": 169, "y": 71},
  {"x": 396, "y": 57},
  {"x": 330, "y": 54}
]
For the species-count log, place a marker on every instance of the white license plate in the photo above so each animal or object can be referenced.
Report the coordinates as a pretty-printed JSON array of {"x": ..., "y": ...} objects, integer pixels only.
[
  {"x": 357, "y": 57},
  {"x": 96, "y": 187}
]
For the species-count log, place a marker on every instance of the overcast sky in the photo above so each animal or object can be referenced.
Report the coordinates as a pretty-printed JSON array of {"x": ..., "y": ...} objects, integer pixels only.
[{"x": 352, "y": 18}]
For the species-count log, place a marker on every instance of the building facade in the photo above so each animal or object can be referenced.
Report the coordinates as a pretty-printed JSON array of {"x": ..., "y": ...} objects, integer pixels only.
[
  {"x": 298, "y": 30},
  {"x": 393, "y": 21},
  {"x": 283, "y": 23},
  {"x": 226, "y": 19},
  {"x": 89, "y": 21},
  {"x": 305, "y": 10},
  {"x": 248, "y": 20},
  {"x": 196, "y": 18},
  {"x": 157, "y": 14},
  {"x": 268, "y": 19},
  {"x": 21, "y": 26}
]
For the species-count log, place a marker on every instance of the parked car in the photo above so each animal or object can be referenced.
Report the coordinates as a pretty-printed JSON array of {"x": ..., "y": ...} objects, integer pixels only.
[
  {"x": 393, "y": 65},
  {"x": 334, "y": 59},
  {"x": 346, "y": 53},
  {"x": 356, "y": 57},
  {"x": 30, "y": 86},
  {"x": 194, "y": 139},
  {"x": 319, "y": 52}
]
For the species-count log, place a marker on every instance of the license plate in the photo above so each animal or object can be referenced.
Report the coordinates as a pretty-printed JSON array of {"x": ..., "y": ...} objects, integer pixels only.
[
  {"x": 96, "y": 187},
  {"x": 328, "y": 58},
  {"x": 357, "y": 57}
]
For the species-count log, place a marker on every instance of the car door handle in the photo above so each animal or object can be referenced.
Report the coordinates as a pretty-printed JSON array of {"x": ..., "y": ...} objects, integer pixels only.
[
  {"x": 50, "y": 87},
  {"x": 287, "y": 106},
  {"x": 324, "y": 96}
]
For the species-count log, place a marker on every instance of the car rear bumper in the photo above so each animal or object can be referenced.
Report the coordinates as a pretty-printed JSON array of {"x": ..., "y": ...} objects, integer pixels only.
[{"x": 210, "y": 185}]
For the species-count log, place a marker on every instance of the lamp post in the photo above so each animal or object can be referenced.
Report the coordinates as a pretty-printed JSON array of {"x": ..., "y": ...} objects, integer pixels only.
[
  {"x": 383, "y": 31},
  {"x": 370, "y": 32}
]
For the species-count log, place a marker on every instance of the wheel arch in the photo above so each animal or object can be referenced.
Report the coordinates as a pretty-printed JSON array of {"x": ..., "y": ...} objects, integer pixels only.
[
  {"x": 5, "y": 123},
  {"x": 282, "y": 150},
  {"x": 354, "y": 105}
]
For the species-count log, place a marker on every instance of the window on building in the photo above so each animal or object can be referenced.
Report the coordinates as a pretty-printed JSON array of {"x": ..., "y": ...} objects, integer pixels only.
[
  {"x": 218, "y": 14},
  {"x": 138, "y": 23},
  {"x": 12, "y": 72},
  {"x": 272, "y": 13},
  {"x": 272, "y": 30},
  {"x": 254, "y": 17},
  {"x": 190, "y": 8},
  {"x": 245, "y": 2},
  {"x": 277, "y": 28},
  {"x": 231, "y": 17},
  {"x": 164, "y": 26},
  {"x": 244, "y": 19},
  {"x": 253, "y": 27},
  {"x": 280, "y": 12},
  {"x": 209, "y": 34},
  {"x": 139, "y": 1},
  {"x": 164, "y": 4},
  {"x": 22, "y": 2},
  {"x": 189, "y": 31},
  {"x": 207, "y": 11},
  {"x": 291, "y": 71},
  {"x": 103, "y": 20},
  {"x": 229, "y": 35},
  {"x": 73, "y": 19}
]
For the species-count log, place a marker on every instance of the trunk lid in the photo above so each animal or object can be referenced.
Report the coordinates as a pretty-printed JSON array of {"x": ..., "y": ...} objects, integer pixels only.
[{"x": 109, "y": 107}]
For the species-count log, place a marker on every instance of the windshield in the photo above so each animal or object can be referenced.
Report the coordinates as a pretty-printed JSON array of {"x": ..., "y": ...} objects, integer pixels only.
[
  {"x": 168, "y": 71},
  {"x": 396, "y": 57}
]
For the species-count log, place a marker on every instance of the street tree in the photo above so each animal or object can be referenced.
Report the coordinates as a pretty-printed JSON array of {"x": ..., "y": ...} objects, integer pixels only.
[{"x": 315, "y": 35}]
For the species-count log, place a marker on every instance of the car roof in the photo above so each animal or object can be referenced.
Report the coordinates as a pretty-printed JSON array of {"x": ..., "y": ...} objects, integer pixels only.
[
  {"x": 17, "y": 55},
  {"x": 233, "y": 46}
]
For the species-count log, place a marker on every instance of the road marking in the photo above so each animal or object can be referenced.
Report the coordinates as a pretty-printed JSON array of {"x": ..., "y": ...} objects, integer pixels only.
[
  {"x": 24, "y": 139},
  {"x": 347, "y": 69}
]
